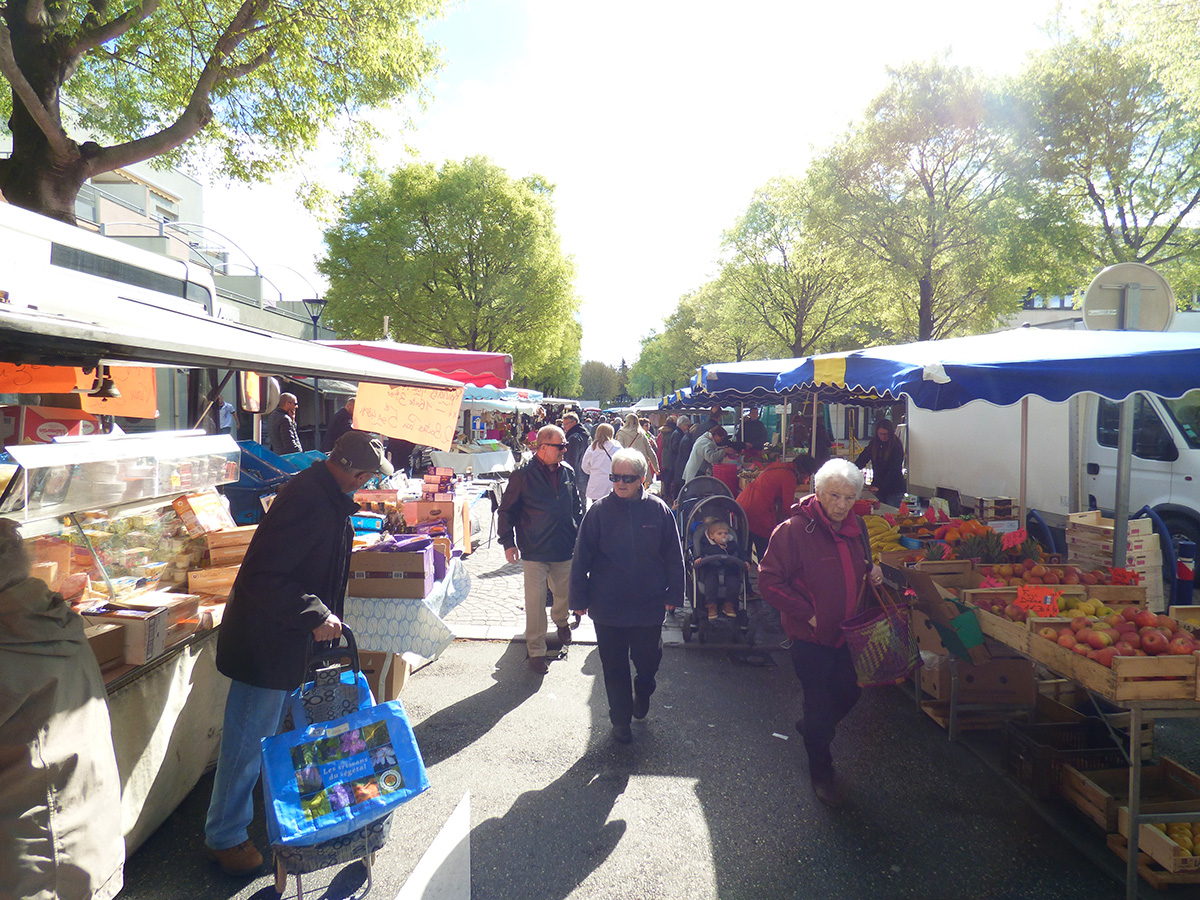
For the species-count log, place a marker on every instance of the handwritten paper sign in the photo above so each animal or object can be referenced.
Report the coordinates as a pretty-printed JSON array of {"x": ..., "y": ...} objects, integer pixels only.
[
  {"x": 1038, "y": 600},
  {"x": 16, "y": 379},
  {"x": 426, "y": 416},
  {"x": 139, "y": 393}
]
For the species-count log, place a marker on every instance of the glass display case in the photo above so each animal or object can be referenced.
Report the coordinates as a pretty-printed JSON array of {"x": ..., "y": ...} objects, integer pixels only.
[{"x": 97, "y": 514}]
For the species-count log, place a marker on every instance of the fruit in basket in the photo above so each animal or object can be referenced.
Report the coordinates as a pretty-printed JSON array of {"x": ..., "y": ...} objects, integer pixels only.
[
  {"x": 1099, "y": 640},
  {"x": 1146, "y": 618},
  {"x": 1154, "y": 642},
  {"x": 1181, "y": 646},
  {"x": 1048, "y": 632},
  {"x": 1067, "y": 639},
  {"x": 1130, "y": 613}
]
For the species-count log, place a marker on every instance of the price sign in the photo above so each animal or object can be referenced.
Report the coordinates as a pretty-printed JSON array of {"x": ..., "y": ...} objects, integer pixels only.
[
  {"x": 426, "y": 416},
  {"x": 1038, "y": 600},
  {"x": 15, "y": 379},
  {"x": 139, "y": 393}
]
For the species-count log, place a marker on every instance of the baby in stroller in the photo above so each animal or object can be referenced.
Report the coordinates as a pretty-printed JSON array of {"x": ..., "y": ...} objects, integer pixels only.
[{"x": 722, "y": 564}]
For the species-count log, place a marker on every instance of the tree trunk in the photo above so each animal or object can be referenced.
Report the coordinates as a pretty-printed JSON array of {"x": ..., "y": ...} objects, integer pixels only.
[{"x": 925, "y": 309}]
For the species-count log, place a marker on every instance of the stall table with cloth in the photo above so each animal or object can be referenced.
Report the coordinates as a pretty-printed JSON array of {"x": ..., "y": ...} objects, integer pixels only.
[{"x": 499, "y": 461}]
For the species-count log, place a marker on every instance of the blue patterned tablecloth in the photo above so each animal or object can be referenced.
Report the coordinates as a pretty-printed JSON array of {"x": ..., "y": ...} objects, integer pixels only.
[{"x": 404, "y": 625}]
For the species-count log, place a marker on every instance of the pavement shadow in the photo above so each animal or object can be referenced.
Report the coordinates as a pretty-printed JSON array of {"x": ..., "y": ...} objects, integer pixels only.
[
  {"x": 454, "y": 728},
  {"x": 552, "y": 839},
  {"x": 505, "y": 571}
]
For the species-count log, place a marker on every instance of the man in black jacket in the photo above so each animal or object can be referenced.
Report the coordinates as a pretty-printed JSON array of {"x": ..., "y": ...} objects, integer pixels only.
[
  {"x": 291, "y": 583},
  {"x": 539, "y": 513},
  {"x": 577, "y": 445},
  {"x": 281, "y": 426},
  {"x": 628, "y": 568},
  {"x": 685, "y": 451},
  {"x": 671, "y": 464}
]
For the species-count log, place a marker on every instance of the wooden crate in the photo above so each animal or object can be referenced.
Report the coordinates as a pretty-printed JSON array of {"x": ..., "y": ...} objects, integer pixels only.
[
  {"x": 1156, "y": 876},
  {"x": 1100, "y": 793},
  {"x": 1093, "y": 522},
  {"x": 1062, "y": 706},
  {"x": 1172, "y": 677},
  {"x": 1161, "y": 848}
]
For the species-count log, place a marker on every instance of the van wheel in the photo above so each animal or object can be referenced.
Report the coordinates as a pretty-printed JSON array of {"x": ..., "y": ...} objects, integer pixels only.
[{"x": 1182, "y": 529}]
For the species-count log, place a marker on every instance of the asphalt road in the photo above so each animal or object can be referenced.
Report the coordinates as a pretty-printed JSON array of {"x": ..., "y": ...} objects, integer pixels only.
[{"x": 708, "y": 802}]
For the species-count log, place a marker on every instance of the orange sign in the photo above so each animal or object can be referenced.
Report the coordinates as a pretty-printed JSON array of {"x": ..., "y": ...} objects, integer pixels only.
[
  {"x": 139, "y": 393},
  {"x": 1038, "y": 600},
  {"x": 426, "y": 416},
  {"x": 16, "y": 379}
]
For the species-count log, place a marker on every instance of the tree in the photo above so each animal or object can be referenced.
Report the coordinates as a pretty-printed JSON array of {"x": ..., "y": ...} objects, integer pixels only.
[
  {"x": 913, "y": 191},
  {"x": 256, "y": 81},
  {"x": 559, "y": 375},
  {"x": 598, "y": 381},
  {"x": 783, "y": 278},
  {"x": 1109, "y": 151},
  {"x": 462, "y": 257}
]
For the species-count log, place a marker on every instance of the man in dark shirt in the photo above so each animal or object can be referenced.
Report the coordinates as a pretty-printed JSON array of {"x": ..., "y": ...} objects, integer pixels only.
[
  {"x": 539, "y": 514},
  {"x": 754, "y": 430},
  {"x": 342, "y": 421},
  {"x": 291, "y": 583},
  {"x": 281, "y": 427},
  {"x": 577, "y": 445}
]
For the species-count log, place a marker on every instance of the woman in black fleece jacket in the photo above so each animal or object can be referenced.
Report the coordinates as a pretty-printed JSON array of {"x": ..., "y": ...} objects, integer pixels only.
[{"x": 627, "y": 568}]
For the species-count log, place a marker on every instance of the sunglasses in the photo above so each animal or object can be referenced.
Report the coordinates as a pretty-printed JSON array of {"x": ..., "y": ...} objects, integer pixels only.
[
  {"x": 555, "y": 446},
  {"x": 624, "y": 479}
]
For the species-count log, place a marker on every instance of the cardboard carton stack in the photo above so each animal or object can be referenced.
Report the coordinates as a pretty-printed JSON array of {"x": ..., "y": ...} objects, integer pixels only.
[{"x": 438, "y": 486}]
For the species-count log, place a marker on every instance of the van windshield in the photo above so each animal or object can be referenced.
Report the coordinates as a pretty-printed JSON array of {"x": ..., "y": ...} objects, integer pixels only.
[{"x": 1186, "y": 413}]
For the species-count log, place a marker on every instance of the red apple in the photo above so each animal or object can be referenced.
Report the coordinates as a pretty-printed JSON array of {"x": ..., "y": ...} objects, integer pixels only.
[
  {"x": 1099, "y": 640},
  {"x": 1146, "y": 629},
  {"x": 1133, "y": 639},
  {"x": 1126, "y": 627},
  {"x": 1129, "y": 613},
  {"x": 1181, "y": 647},
  {"x": 1124, "y": 649},
  {"x": 1048, "y": 633},
  {"x": 1154, "y": 642},
  {"x": 1105, "y": 656},
  {"x": 1066, "y": 640},
  {"x": 1083, "y": 649},
  {"x": 1168, "y": 622},
  {"x": 1145, "y": 617},
  {"x": 1080, "y": 622}
]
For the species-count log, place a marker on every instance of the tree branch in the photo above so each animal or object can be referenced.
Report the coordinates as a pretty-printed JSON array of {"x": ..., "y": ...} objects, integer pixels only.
[
  {"x": 23, "y": 91},
  {"x": 102, "y": 34}
]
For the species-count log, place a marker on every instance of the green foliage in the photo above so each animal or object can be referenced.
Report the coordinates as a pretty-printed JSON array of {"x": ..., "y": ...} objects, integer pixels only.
[
  {"x": 598, "y": 381},
  {"x": 463, "y": 257},
  {"x": 1110, "y": 151},
  {"x": 254, "y": 83},
  {"x": 912, "y": 193}
]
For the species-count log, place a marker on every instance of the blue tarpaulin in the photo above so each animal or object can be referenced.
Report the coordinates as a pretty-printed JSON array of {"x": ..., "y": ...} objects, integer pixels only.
[
  {"x": 751, "y": 381},
  {"x": 1002, "y": 368}
]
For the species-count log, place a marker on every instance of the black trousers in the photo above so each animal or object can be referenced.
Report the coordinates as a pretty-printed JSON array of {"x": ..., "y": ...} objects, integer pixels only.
[
  {"x": 830, "y": 692},
  {"x": 618, "y": 646}
]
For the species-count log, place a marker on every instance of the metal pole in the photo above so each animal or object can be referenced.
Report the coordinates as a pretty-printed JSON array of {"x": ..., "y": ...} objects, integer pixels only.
[
  {"x": 316, "y": 398},
  {"x": 1131, "y": 300},
  {"x": 1074, "y": 454},
  {"x": 1024, "y": 460}
]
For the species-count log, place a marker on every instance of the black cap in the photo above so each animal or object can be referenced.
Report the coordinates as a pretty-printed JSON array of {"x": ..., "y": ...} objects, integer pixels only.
[{"x": 361, "y": 451}]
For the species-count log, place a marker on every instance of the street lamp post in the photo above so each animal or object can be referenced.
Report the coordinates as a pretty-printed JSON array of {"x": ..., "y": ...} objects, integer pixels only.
[{"x": 315, "y": 306}]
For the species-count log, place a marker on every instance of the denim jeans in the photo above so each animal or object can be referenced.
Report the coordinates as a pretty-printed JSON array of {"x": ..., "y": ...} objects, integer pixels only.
[{"x": 251, "y": 714}]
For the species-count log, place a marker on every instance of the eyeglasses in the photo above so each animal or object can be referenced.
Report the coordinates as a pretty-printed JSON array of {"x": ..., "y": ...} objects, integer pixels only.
[
  {"x": 624, "y": 479},
  {"x": 556, "y": 446}
]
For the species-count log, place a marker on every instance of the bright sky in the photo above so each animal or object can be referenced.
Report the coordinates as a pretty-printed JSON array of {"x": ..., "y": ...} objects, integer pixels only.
[{"x": 655, "y": 119}]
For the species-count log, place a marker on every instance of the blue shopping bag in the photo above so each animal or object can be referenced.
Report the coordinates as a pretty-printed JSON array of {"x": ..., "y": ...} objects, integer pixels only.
[{"x": 325, "y": 780}]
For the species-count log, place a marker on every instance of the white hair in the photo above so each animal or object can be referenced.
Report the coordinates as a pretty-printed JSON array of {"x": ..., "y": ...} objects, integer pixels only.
[
  {"x": 636, "y": 461},
  {"x": 839, "y": 470}
]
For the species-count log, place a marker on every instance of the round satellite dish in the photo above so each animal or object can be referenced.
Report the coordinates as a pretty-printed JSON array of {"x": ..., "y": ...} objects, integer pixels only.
[{"x": 1133, "y": 289}]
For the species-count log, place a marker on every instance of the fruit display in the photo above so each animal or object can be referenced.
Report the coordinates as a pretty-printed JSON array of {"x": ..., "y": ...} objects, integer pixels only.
[
  {"x": 1031, "y": 571},
  {"x": 1131, "y": 632},
  {"x": 883, "y": 534},
  {"x": 1185, "y": 835}
]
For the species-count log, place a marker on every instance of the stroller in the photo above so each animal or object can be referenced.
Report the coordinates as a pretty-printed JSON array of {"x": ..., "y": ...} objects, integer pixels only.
[
  {"x": 731, "y": 588},
  {"x": 329, "y": 698},
  {"x": 693, "y": 492}
]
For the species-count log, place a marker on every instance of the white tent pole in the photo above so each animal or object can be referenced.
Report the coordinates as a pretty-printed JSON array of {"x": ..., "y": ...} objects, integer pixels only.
[{"x": 1024, "y": 460}]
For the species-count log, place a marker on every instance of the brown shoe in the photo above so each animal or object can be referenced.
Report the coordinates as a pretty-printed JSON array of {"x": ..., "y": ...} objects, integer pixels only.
[
  {"x": 712, "y": 612},
  {"x": 729, "y": 611},
  {"x": 539, "y": 665},
  {"x": 564, "y": 634},
  {"x": 828, "y": 792},
  {"x": 244, "y": 859}
]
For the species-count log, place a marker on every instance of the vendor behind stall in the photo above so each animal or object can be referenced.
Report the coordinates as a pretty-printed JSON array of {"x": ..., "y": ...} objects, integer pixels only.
[
  {"x": 60, "y": 791},
  {"x": 768, "y": 499},
  {"x": 885, "y": 455}
]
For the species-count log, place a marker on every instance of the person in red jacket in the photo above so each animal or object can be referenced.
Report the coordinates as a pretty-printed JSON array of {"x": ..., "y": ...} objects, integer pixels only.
[
  {"x": 814, "y": 573},
  {"x": 768, "y": 499}
]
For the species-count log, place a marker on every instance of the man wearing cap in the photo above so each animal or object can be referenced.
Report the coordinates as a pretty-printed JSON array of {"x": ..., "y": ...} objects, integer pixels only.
[
  {"x": 281, "y": 427},
  {"x": 291, "y": 584},
  {"x": 540, "y": 513}
]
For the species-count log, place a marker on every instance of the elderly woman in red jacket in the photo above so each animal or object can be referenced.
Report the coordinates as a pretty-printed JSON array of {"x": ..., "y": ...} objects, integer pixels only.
[{"x": 814, "y": 573}]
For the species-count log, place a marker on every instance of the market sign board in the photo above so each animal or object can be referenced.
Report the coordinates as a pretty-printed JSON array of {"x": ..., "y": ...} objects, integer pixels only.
[
  {"x": 425, "y": 416},
  {"x": 137, "y": 384}
]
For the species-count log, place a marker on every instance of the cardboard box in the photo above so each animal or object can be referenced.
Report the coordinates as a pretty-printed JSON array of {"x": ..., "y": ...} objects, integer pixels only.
[
  {"x": 203, "y": 512},
  {"x": 227, "y": 556},
  {"x": 178, "y": 606},
  {"x": 107, "y": 643},
  {"x": 397, "y": 675},
  {"x": 217, "y": 581},
  {"x": 379, "y": 573},
  {"x": 957, "y": 626},
  {"x": 239, "y": 536},
  {"x": 145, "y": 631},
  {"x": 998, "y": 681},
  {"x": 41, "y": 425},
  {"x": 456, "y": 514}
]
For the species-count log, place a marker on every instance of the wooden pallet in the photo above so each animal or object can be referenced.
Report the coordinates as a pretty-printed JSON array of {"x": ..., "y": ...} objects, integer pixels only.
[{"x": 1154, "y": 874}]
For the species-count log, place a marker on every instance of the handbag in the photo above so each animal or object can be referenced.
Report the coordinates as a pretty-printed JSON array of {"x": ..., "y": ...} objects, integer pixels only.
[
  {"x": 882, "y": 643},
  {"x": 329, "y": 778}
]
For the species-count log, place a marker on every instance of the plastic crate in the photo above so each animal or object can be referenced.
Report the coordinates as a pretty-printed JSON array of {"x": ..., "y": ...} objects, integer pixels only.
[
  {"x": 1037, "y": 753},
  {"x": 257, "y": 450}
]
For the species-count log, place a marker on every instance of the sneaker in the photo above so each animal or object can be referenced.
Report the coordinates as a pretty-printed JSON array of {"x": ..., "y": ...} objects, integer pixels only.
[
  {"x": 244, "y": 859},
  {"x": 712, "y": 612},
  {"x": 641, "y": 706},
  {"x": 564, "y": 634},
  {"x": 622, "y": 734},
  {"x": 539, "y": 665},
  {"x": 729, "y": 611}
]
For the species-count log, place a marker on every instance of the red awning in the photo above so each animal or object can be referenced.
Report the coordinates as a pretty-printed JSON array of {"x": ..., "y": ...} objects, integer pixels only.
[{"x": 468, "y": 366}]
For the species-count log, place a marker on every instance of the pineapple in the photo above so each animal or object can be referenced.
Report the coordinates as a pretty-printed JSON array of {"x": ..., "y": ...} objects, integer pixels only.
[
  {"x": 986, "y": 548},
  {"x": 935, "y": 551},
  {"x": 1030, "y": 549}
]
